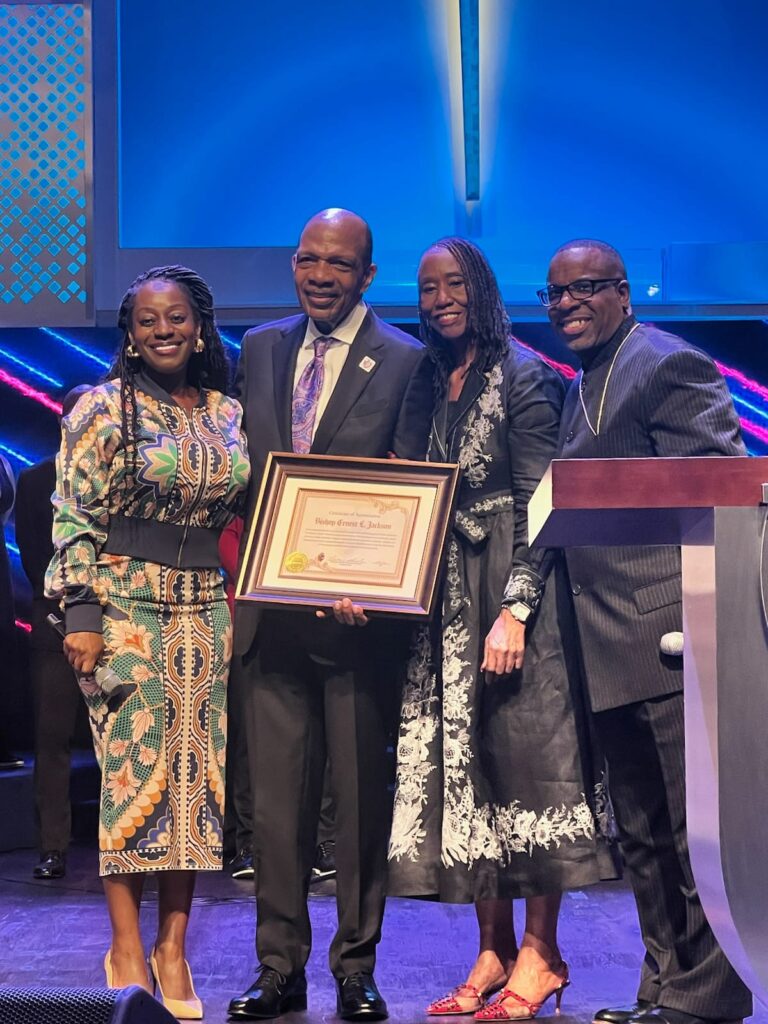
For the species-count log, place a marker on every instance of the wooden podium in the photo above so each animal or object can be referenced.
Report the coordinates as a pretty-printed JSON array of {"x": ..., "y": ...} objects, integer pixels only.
[{"x": 716, "y": 510}]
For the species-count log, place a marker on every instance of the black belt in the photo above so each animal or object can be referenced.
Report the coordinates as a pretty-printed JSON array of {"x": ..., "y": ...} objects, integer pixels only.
[{"x": 184, "y": 547}]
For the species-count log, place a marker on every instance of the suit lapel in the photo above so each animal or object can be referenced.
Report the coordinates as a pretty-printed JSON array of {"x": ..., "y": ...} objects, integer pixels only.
[
  {"x": 284, "y": 354},
  {"x": 363, "y": 360}
]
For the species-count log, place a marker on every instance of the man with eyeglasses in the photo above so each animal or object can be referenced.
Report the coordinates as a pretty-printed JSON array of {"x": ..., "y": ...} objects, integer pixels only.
[{"x": 642, "y": 393}]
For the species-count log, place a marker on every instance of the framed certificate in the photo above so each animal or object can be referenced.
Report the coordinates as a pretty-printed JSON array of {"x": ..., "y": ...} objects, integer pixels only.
[{"x": 328, "y": 526}]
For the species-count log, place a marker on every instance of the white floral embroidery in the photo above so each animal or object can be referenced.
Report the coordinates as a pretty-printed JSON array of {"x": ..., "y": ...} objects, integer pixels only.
[
  {"x": 470, "y": 830},
  {"x": 418, "y": 729},
  {"x": 473, "y": 456},
  {"x": 453, "y": 595},
  {"x": 491, "y": 504},
  {"x": 470, "y": 526},
  {"x": 523, "y": 585}
]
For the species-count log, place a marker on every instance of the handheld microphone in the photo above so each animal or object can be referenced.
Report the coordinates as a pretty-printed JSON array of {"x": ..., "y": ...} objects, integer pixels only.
[
  {"x": 672, "y": 644},
  {"x": 102, "y": 679}
]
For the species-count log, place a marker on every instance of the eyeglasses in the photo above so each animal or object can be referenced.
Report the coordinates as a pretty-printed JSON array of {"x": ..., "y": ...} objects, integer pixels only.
[{"x": 584, "y": 288}]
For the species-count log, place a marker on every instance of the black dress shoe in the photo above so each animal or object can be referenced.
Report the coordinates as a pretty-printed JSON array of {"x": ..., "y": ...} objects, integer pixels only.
[
  {"x": 667, "y": 1015},
  {"x": 325, "y": 862},
  {"x": 621, "y": 1014},
  {"x": 241, "y": 865},
  {"x": 53, "y": 864},
  {"x": 358, "y": 998},
  {"x": 271, "y": 995}
]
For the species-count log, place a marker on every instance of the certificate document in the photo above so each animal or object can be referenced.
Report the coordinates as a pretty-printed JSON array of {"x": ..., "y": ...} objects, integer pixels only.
[{"x": 328, "y": 527}]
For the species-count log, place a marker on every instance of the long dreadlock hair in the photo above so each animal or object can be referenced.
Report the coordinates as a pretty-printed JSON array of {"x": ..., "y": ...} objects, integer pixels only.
[
  {"x": 487, "y": 321},
  {"x": 206, "y": 369}
]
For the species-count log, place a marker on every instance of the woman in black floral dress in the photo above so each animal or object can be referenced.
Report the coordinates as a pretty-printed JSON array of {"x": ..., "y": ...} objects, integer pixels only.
[{"x": 493, "y": 799}]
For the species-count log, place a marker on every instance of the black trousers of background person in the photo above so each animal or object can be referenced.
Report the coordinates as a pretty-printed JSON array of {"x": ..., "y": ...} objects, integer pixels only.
[
  {"x": 300, "y": 708},
  {"x": 238, "y": 814},
  {"x": 684, "y": 967},
  {"x": 60, "y": 713}
]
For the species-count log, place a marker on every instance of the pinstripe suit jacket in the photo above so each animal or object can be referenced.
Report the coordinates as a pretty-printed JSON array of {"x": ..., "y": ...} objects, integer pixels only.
[{"x": 663, "y": 398}]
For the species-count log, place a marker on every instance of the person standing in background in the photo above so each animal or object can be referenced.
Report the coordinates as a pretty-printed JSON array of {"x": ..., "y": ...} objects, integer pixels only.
[
  {"x": 7, "y": 616},
  {"x": 57, "y": 698},
  {"x": 238, "y": 823}
]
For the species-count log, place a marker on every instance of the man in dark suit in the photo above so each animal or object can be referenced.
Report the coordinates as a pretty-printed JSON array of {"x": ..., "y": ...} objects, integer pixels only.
[
  {"x": 59, "y": 706},
  {"x": 642, "y": 393},
  {"x": 315, "y": 685},
  {"x": 7, "y": 611}
]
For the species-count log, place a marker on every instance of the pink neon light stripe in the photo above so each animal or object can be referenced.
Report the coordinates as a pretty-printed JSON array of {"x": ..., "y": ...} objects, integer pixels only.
[
  {"x": 26, "y": 626},
  {"x": 752, "y": 428},
  {"x": 29, "y": 392},
  {"x": 746, "y": 382}
]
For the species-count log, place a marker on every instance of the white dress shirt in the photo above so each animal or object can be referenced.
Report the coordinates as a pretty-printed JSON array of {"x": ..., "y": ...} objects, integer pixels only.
[{"x": 335, "y": 357}]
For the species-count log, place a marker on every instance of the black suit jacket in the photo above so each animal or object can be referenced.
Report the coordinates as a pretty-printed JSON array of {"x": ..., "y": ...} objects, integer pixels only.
[
  {"x": 664, "y": 398},
  {"x": 381, "y": 403},
  {"x": 34, "y": 535}
]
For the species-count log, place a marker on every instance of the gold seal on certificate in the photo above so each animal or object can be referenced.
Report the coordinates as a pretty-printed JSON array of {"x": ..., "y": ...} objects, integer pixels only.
[
  {"x": 296, "y": 562},
  {"x": 327, "y": 527}
]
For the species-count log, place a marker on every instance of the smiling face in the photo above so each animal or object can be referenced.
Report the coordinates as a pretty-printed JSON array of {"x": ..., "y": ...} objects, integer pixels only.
[
  {"x": 164, "y": 327},
  {"x": 443, "y": 298},
  {"x": 332, "y": 268},
  {"x": 587, "y": 322}
]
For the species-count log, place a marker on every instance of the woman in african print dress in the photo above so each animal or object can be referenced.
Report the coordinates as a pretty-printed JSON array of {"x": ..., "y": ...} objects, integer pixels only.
[
  {"x": 493, "y": 799},
  {"x": 152, "y": 466}
]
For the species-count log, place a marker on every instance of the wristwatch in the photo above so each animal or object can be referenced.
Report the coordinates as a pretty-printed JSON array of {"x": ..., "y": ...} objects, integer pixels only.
[{"x": 517, "y": 610}]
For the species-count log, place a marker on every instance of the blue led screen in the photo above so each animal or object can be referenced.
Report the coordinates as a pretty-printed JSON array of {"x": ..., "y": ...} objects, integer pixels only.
[
  {"x": 639, "y": 123},
  {"x": 257, "y": 114}
]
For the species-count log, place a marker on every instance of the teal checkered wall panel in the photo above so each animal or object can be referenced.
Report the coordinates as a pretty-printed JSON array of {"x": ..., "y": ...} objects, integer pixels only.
[{"x": 45, "y": 147}]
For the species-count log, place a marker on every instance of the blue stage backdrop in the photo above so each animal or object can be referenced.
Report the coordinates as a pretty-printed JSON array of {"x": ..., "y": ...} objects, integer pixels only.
[{"x": 638, "y": 123}]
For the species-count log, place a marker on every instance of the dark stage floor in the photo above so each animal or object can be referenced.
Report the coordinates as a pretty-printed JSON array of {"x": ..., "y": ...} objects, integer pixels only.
[{"x": 56, "y": 933}]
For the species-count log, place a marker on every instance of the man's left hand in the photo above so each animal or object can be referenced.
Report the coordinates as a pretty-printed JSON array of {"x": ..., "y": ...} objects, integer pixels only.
[{"x": 504, "y": 647}]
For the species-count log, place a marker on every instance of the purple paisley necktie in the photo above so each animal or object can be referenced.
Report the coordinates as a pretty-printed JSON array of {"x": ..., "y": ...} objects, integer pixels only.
[{"x": 306, "y": 395}]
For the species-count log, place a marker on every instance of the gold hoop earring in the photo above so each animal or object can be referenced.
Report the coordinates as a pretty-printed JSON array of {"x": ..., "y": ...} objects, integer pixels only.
[
  {"x": 199, "y": 345},
  {"x": 131, "y": 351}
]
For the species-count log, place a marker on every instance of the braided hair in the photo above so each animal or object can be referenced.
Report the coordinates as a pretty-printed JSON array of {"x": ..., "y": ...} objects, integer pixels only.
[
  {"x": 487, "y": 321},
  {"x": 206, "y": 369}
]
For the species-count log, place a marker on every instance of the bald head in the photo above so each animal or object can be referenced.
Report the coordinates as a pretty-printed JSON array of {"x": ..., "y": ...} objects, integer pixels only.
[
  {"x": 332, "y": 266},
  {"x": 611, "y": 257},
  {"x": 339, "y": 219}
]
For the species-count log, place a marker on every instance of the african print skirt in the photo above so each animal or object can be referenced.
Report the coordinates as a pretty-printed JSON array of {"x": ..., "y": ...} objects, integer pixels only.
[{"x": 161, "y": 742}]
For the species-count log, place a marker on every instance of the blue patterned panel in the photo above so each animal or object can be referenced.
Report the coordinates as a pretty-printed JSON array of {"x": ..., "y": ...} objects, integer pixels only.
[{"x": 45, "y": 144}]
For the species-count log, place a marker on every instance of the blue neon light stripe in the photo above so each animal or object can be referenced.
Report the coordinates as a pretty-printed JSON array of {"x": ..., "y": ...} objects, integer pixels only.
[
  {"x": 12, "y": 548},
  {"x": 30, "y": 369},
  {"x": 84, "y": 352},
  {"x": 16, "y": 455},
  {"x": 757, "y": 410},
  {"x": 230, "y": 341}
]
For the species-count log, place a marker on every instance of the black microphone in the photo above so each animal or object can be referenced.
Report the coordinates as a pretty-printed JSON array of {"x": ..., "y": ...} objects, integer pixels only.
[{"x": 104, "y": 678}]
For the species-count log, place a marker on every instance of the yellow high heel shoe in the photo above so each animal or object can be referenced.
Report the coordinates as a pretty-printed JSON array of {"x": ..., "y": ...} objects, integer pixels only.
[
  {"x": 108, "y": 968},
  {"x": 182, "y": 1009}
]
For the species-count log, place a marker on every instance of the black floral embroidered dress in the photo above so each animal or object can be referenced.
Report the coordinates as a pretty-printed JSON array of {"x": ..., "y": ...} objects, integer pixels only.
[{"x": 492, "y": 779}]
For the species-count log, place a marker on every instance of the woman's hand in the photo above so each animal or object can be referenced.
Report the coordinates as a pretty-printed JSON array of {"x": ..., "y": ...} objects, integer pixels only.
[
  {"x": 346, "y": 613},
  {"x": 83, "y": 651},
  {"x": 504, "y": 646}
]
